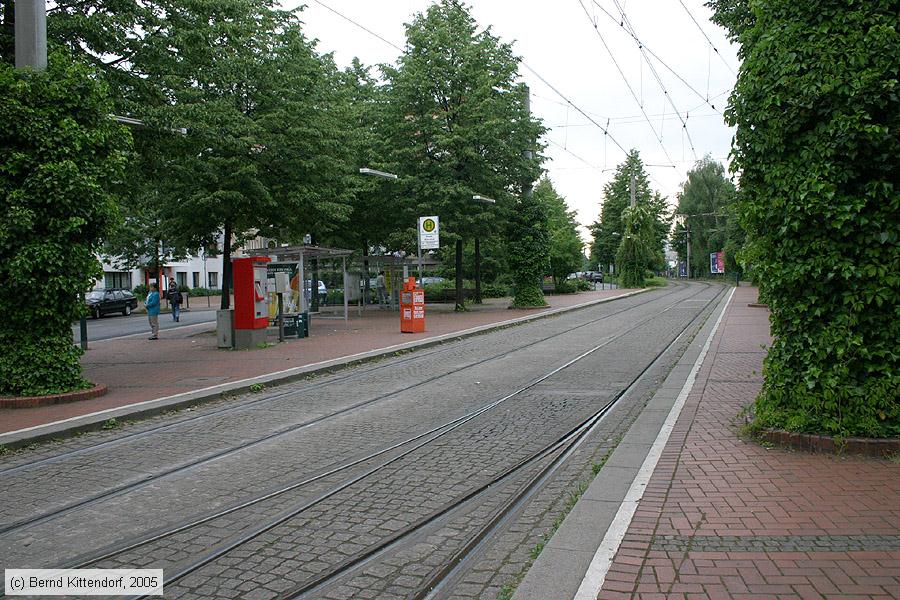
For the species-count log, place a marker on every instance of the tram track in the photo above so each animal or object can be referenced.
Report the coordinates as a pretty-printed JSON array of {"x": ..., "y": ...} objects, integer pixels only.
[
  {"x": 422, "y": 438},
  {"x": 18, "y": 526},
  {"x": 563, "y": 444},
  {"x": 564, "y": 447},
  {"x": 358, "y": 372}
]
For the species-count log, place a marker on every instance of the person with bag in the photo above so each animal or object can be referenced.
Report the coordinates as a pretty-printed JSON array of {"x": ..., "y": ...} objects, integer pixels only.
[
  {"x": 152, "y": 306},
  {"x": 174, "y": 297}
]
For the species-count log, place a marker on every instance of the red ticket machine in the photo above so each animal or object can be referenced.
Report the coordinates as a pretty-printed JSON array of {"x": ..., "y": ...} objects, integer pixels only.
[
  {"x": 412, "y": 307},
  {"x": 251, "y": 310}
]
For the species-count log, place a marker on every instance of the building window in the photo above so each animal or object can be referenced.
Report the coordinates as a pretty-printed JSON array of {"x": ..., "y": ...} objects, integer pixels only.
[
  {"x": 195, "y": 279},
  {"x": 181, "y": 279},
  {"x": 213, "y": 280},
  {"x": 117, "y": 280}
]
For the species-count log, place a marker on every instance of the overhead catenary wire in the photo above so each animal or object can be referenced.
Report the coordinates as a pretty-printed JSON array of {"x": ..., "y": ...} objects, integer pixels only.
[
  {"x": 573, "y": 105},
  {"x": 708, "y": 41},
  {"x": 564, "y": 149},
  {"x": 625, "y": 79},
  {"x": 706, "y": 99},
  {"x": 659, "y": 81},
  {"x": 360, "y": 25}
]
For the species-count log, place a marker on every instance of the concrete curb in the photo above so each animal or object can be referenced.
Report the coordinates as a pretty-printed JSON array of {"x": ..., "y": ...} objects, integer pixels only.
[
  {"x": 563, "y": 564},
  {"x": 148, "y": 408}
]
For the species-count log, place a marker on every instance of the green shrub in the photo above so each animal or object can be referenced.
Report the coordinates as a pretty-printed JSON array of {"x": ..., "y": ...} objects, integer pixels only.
[
  {"x": 61, "y": 155},
  {"x": 817, "y": 110},
  {"x": 140, "y": 291},
  {"x": 494, "y": 290},
  {"x": 202, "y": 291},
  {"x": 582, "y": 285},
  {"x": 566, "y": 287}
]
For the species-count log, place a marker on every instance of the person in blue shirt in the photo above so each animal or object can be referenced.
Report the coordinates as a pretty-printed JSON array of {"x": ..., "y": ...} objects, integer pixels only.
[{"x": 152, "y": 305}]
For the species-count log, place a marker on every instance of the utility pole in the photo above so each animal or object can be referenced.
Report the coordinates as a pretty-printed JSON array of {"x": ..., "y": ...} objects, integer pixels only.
[
  {"x": 633, "y": 196},
  {"x": 31, "y": 34},
  {"x": 687, "y": 235}
]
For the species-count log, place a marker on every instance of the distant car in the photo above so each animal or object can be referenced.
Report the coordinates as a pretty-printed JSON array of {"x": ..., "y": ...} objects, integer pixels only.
[
  {"x": 594, "y": 276},
  {"x": 432, "y": 280},
  {"x": 104, "y": 302}
]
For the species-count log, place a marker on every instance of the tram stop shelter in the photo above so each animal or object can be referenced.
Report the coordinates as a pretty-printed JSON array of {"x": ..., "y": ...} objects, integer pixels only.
[
  {"x": 308, "y": 264},
  {"x": 336, "y": 278}
]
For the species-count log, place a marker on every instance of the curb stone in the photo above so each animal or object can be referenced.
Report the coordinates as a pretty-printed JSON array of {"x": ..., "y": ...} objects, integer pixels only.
[{"x": 149, "y": 408}]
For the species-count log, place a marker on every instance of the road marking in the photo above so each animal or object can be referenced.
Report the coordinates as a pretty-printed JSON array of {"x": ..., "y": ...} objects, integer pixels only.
[{"x": 601, "y": 562}]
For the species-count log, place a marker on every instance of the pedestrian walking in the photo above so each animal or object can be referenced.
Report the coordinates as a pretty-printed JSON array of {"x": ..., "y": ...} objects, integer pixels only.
[
  {"x": 152, "y": 305},
  {"x": 381, "y": 290},
  {"x": 174, "y": 297}
]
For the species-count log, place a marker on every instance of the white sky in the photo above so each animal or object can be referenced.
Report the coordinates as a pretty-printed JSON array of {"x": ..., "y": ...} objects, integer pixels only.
[{"x": 558, "y": 40}]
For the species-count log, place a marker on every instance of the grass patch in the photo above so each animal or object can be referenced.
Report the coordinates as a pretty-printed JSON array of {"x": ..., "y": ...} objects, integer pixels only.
[
  {"x": 656, "y": 282},
  {"x": 112, "y": 423},
  {"x": 506, "y": 592},
  {"x": 257, "y": 388}
]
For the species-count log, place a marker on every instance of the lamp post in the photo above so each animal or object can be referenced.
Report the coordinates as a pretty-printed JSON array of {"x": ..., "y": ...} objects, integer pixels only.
[
  {"x": 392, "y": 177},
  {"x": 481, "y": 200}
]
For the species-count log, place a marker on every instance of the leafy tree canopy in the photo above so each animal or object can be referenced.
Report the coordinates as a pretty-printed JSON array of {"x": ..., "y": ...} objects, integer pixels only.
[
  {"x": 62, "y": 158},
  {"x": 608, "y": 230},
  {"x": 817, "y": 111}
]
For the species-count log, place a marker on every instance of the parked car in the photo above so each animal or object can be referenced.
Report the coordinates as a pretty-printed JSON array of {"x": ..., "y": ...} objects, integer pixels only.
[
  {"x": 593, "y": 276},
  {"x": 104, "y": 302}
]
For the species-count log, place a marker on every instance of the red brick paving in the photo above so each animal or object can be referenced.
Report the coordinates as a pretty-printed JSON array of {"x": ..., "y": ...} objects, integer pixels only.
[
  {"x": 710, "y": 483},
  {"x": 184, "y": 360}
]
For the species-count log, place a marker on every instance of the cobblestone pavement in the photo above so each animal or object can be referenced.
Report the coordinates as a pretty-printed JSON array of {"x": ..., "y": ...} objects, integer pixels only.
[
  {"x": 723, "y": 517},
  {"x": 262, "y": 442}
]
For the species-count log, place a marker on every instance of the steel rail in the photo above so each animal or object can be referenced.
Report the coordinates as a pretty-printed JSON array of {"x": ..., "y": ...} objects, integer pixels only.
[
  {"x": 187, "y": 467},
  {"x": 246, "y": 537}
]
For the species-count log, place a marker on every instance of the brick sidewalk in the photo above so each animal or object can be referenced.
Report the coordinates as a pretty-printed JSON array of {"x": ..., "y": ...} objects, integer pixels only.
[
  {"x": 726, "y": 518},
  {"x": 187, "y": 359}
]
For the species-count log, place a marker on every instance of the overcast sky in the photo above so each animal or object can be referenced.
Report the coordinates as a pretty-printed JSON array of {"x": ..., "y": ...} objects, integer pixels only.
[{"x": 558, "y": 40}]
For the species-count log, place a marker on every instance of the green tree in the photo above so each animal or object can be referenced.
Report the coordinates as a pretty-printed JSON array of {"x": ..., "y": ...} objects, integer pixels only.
[
  {"x": 636, "y": 249},
  {"x": 528, "y": 251},
  {"x": 265, "y": 152},
  {"x": 608, "y": 230},
  {"x": 707, "y": 200},
  {"x": 817, "y": 111},
  {"x": 564, "y": 242},
  {"x": 62, "y": 157},
  {"x": 460, "y": 124}
]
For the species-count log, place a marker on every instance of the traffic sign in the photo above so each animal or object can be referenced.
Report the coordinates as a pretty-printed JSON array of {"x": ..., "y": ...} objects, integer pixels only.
[{"x": 429, "y": 233}]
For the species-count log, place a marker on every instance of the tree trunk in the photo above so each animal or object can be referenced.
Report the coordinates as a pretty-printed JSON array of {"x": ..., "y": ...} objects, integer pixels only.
[
  {"x": 365, "y": 272},
  {"x": 314, "y": 287},
  {"x": 460, "y": 301},
  {"x": 226, "y": 268},
  {"x": 7, "y": 32},
  {"x": 477, "y": 270}
]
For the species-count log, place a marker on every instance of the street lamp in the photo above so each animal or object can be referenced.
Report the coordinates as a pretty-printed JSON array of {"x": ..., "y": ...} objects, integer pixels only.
[
  {"x": 483, "y": 199},
  {"x": 377, "y": 173},
  {"x": 392, "y": 177}
]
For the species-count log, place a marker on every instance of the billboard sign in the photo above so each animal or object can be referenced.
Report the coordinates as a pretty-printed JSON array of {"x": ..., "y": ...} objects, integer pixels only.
[{"x": 717, "y": 263}]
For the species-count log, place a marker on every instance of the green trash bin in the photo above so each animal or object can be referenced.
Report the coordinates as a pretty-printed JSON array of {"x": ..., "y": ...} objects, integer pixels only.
[{"x": 303, "y": 324}]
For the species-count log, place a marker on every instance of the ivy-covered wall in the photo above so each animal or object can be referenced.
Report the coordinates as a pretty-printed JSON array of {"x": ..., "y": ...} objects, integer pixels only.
[
  {"x": 61, "y": 155},
  {"x": 817, "y": 109}
]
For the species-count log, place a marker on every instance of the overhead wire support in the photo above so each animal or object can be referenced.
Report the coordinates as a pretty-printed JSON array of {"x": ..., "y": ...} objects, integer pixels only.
[
  {"x": 659, "y": 81},
  {"x": 625, "y": 79},
  {"x": 687, "y": 84},
  {"x": 573, "y": 105},
  {"x": 708, "y": 41}
]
